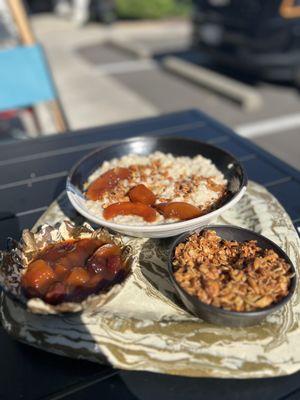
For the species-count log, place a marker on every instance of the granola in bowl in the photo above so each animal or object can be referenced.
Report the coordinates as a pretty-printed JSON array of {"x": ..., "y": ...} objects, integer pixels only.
[
  {"x": 155, "y": 189},
  {"x": 231, "y": 275}
]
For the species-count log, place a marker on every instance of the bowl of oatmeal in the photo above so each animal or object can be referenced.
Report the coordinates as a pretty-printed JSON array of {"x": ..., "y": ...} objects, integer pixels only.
[
  {"x": 231, "y": 276},
  {"x": 155, "y": 187}
]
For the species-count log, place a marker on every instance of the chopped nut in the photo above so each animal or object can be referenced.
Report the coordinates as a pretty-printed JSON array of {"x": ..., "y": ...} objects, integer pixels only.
[
  {"x": 264, "y": 301},
  {"x": 231, "y": 275}
]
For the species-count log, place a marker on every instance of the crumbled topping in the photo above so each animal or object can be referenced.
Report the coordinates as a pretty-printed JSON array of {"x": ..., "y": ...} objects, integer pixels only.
[{"x": 231, "y": 275}]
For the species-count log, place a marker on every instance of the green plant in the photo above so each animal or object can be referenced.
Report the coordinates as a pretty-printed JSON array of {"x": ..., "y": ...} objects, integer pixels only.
[{"x": 151, "y": 9}]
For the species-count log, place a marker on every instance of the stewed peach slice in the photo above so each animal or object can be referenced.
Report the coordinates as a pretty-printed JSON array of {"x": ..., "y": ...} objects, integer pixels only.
[
  {"x": 114, "y": 264},
  {"x": 56, "y": 293},
  {"x": 179, "y": 210},
  {"x": 38, "y": 277},
  {"x": 78, "y": 256},
  {"x": 105, "y": 182},
  {"x": 106, "y": 250},
  {"x": 105, "y": 262},
  {"x": 142, "y": 194},
  {"x": 77, "y": 277},
  {"x": 128, "y": 208},
  {"x": 61, "y": 271},
  {"x": 97, "y": 263},
  {"x": 95, "y": 281},
  {"x": 55, "y": 251}
]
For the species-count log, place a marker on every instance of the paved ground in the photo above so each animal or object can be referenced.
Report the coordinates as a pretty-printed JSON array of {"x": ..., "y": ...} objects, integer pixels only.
[{"x": 100, "y": 84}]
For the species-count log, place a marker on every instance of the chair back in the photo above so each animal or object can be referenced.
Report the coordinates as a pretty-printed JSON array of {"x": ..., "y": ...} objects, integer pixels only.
[{"x": 25, "y": 78}]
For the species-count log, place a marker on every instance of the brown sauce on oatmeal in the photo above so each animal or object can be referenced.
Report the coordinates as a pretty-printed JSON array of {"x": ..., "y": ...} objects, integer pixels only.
[{"x": 106, "y": 181}]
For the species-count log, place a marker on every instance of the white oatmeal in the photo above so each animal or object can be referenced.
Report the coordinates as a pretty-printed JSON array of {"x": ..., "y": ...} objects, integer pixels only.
[{"x": 196, "y": 181}]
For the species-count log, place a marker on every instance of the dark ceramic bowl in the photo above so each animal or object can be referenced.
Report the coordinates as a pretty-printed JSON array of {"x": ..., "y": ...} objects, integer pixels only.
[
  {"x": 220, "y": 316},
  {"x": 230, "y": 167}
]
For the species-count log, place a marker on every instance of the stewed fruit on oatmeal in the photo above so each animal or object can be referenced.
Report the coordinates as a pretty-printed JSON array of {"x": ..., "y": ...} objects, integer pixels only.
[
  {"x": 154, "y": 189},
  {"x": 236, "y": 276},
  {"x": 73, "y": 269}
]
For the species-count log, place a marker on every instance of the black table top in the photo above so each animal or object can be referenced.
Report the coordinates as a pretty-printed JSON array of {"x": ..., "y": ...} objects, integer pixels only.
[{"x": 32, "y": 175}]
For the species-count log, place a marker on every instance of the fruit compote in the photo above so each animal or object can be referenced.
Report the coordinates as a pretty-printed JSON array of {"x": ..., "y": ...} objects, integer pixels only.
[{"x": 73, "y": 269}]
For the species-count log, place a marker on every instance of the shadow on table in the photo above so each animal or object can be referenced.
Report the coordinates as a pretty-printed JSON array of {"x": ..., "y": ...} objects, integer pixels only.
[
  {"x": 10, "y": 226},
  {"x": 31, "y": 374},
  {"x": 149, "y": 386},
  {"x": 37, "y": 373},
  {"x": 153, "y": 261}
]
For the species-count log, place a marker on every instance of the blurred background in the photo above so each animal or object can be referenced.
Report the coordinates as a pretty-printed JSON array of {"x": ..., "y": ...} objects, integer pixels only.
[{"x": 107, "y": 61}]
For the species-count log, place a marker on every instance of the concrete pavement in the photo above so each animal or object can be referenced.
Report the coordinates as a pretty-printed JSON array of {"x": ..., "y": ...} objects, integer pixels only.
[
  {"x": 100, "y": 84},
  {"x": 89, "y": 98}
]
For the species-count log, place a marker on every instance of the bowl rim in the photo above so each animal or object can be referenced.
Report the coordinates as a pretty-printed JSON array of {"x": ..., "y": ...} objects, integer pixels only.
[
  {"x": 159, "y": 227},
  {"x": 264, "y": 311}
]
